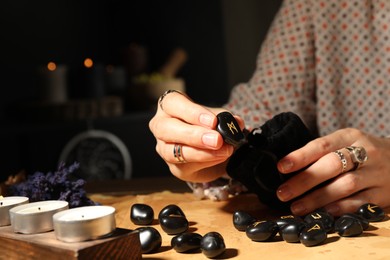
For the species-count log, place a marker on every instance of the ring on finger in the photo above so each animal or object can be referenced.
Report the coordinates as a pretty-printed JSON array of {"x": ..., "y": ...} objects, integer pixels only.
[
  {"x": 160, "y": 99},
  {"x": 343, "y": 160},
  {"x": 358, "y": 156},
  {"x": 178, "y": 153}
]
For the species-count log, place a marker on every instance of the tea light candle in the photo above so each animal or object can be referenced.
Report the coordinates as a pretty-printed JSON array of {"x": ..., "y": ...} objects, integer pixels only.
[
  {"x": 7, "y": 203},
  {"x": 84, "y": 223},
  {"x": 53, "y": 83},
  {"x": 36, "y": 217}
]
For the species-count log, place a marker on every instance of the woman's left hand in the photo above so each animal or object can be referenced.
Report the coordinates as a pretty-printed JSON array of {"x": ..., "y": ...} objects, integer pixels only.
[{"x": 341, "y": 192}]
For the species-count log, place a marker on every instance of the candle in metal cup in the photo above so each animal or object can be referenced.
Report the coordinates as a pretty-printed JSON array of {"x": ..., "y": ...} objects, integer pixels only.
[
  {"x": 36, "y": 217},
  {"x": 84, "y": 223},
  {"x": 7, "y": 203}
]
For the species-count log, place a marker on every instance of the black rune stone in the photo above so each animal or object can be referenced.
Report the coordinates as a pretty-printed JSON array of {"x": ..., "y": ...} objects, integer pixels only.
[
  {"x": 314, "y": 234},
  {"x": 212, "y": 244},
  {"x": 228, "y": 127},
  {"x": 141, "y": 214},
  {"x": 241, "y": 220},
  {"x": 371, "y": 212},
  {"x": 170, "y": 209},
  {"x": 325, "y": 218},
  {"x": 348, "y": 227},
  {"x": 150, "y": 239},
  {"x": 174, "y": 224},
  {"x": 291, "y": 232},
  {"x": 262, "y": 230},
  {"x": 364, "y": 222},
  {"x": 186, "y": 242}
]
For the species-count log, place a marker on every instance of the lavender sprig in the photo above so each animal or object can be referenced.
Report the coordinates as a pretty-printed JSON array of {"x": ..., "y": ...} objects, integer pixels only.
[{"x": 54, "y": 186}]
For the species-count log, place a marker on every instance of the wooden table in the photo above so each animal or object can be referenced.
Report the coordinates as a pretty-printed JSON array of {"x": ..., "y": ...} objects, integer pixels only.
[{"x": 205, "y": 216}]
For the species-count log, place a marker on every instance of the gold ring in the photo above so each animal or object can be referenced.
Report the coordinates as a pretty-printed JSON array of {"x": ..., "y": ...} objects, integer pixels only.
[{"x": 178, "y": 153}]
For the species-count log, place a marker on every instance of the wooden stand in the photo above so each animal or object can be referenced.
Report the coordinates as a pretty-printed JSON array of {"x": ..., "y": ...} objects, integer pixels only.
[{"x": 122, "y": 244}]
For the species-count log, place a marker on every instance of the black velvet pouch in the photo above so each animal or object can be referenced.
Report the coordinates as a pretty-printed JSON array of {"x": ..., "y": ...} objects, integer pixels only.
[{"x": 254, "y": 163}]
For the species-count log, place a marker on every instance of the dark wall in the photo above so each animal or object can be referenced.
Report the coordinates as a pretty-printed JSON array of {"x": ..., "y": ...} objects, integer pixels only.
[{"x": 35, "y": 32}]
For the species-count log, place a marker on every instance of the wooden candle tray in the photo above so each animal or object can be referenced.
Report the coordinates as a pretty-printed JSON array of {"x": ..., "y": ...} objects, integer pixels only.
[{"x": 121, "y": 244}]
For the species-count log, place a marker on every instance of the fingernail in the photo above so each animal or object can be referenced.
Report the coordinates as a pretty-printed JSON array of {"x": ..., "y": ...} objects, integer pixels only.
[
  {"x": 284, "y": 193},
  {"x": 286, "y": 165},
  {"x": 332, "y": 209},
  {"x": 206, "y": 120},
  {"x": 210, "y": 139},
  {"x": 298, "y": 208}
]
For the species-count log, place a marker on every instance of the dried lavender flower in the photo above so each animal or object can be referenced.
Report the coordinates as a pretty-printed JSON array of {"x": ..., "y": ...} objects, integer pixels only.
[{"x": 59, "y": 185}]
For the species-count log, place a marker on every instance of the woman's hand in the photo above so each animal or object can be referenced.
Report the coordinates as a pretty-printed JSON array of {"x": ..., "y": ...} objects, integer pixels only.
[
  {"x": 203, "y": 152},
  {"x": 345, "y": 191}
]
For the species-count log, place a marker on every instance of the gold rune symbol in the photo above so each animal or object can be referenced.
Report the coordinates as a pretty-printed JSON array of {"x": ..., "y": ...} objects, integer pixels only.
[
  {"x": 371, "y": 208},
  {"x": 315, "y": 227},
  {"x": 258, "y": 222},
  {"x": 231, "y": 127},
  {"x": 316, "y": 216},
  {"x": 288, "y": 216}
]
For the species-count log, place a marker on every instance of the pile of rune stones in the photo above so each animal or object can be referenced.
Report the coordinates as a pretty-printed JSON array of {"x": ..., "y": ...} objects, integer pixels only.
[
  {"x": 311, "y": 230},
  {"x": 173, "y": 222}
]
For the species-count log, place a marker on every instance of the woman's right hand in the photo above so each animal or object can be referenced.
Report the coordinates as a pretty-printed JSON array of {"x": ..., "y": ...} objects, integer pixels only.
[{"x": 178, "y": 120}]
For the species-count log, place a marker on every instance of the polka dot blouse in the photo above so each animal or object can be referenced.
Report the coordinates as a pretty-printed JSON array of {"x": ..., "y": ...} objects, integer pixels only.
[{"x": 328, "y": 61}]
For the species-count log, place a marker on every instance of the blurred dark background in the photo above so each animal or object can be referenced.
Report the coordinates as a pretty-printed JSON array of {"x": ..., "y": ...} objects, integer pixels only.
[{"x": 136, "y": 39}]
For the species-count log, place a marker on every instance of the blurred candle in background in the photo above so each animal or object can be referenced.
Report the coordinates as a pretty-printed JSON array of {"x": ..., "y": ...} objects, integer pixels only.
[
  {"x": 53, "y": 83},
  {"x": 116, "y": 80},
  {"x": 94, "y": 79}
]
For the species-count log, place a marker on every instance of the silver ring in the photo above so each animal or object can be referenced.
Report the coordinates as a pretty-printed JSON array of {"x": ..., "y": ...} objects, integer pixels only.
[
  {"x": 358, "y": 156},
  {"x": 160, "y": 99},
  {"x": 178, "y": 153},
  {"x": 343, "y": 160}
]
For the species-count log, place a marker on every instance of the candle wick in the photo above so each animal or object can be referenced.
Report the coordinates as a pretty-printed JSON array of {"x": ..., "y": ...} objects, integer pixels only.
[
  {"x": 82, "y": 216},
  {"x": 39, "y": 208},
  {"x": 1, "y": 203}
]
